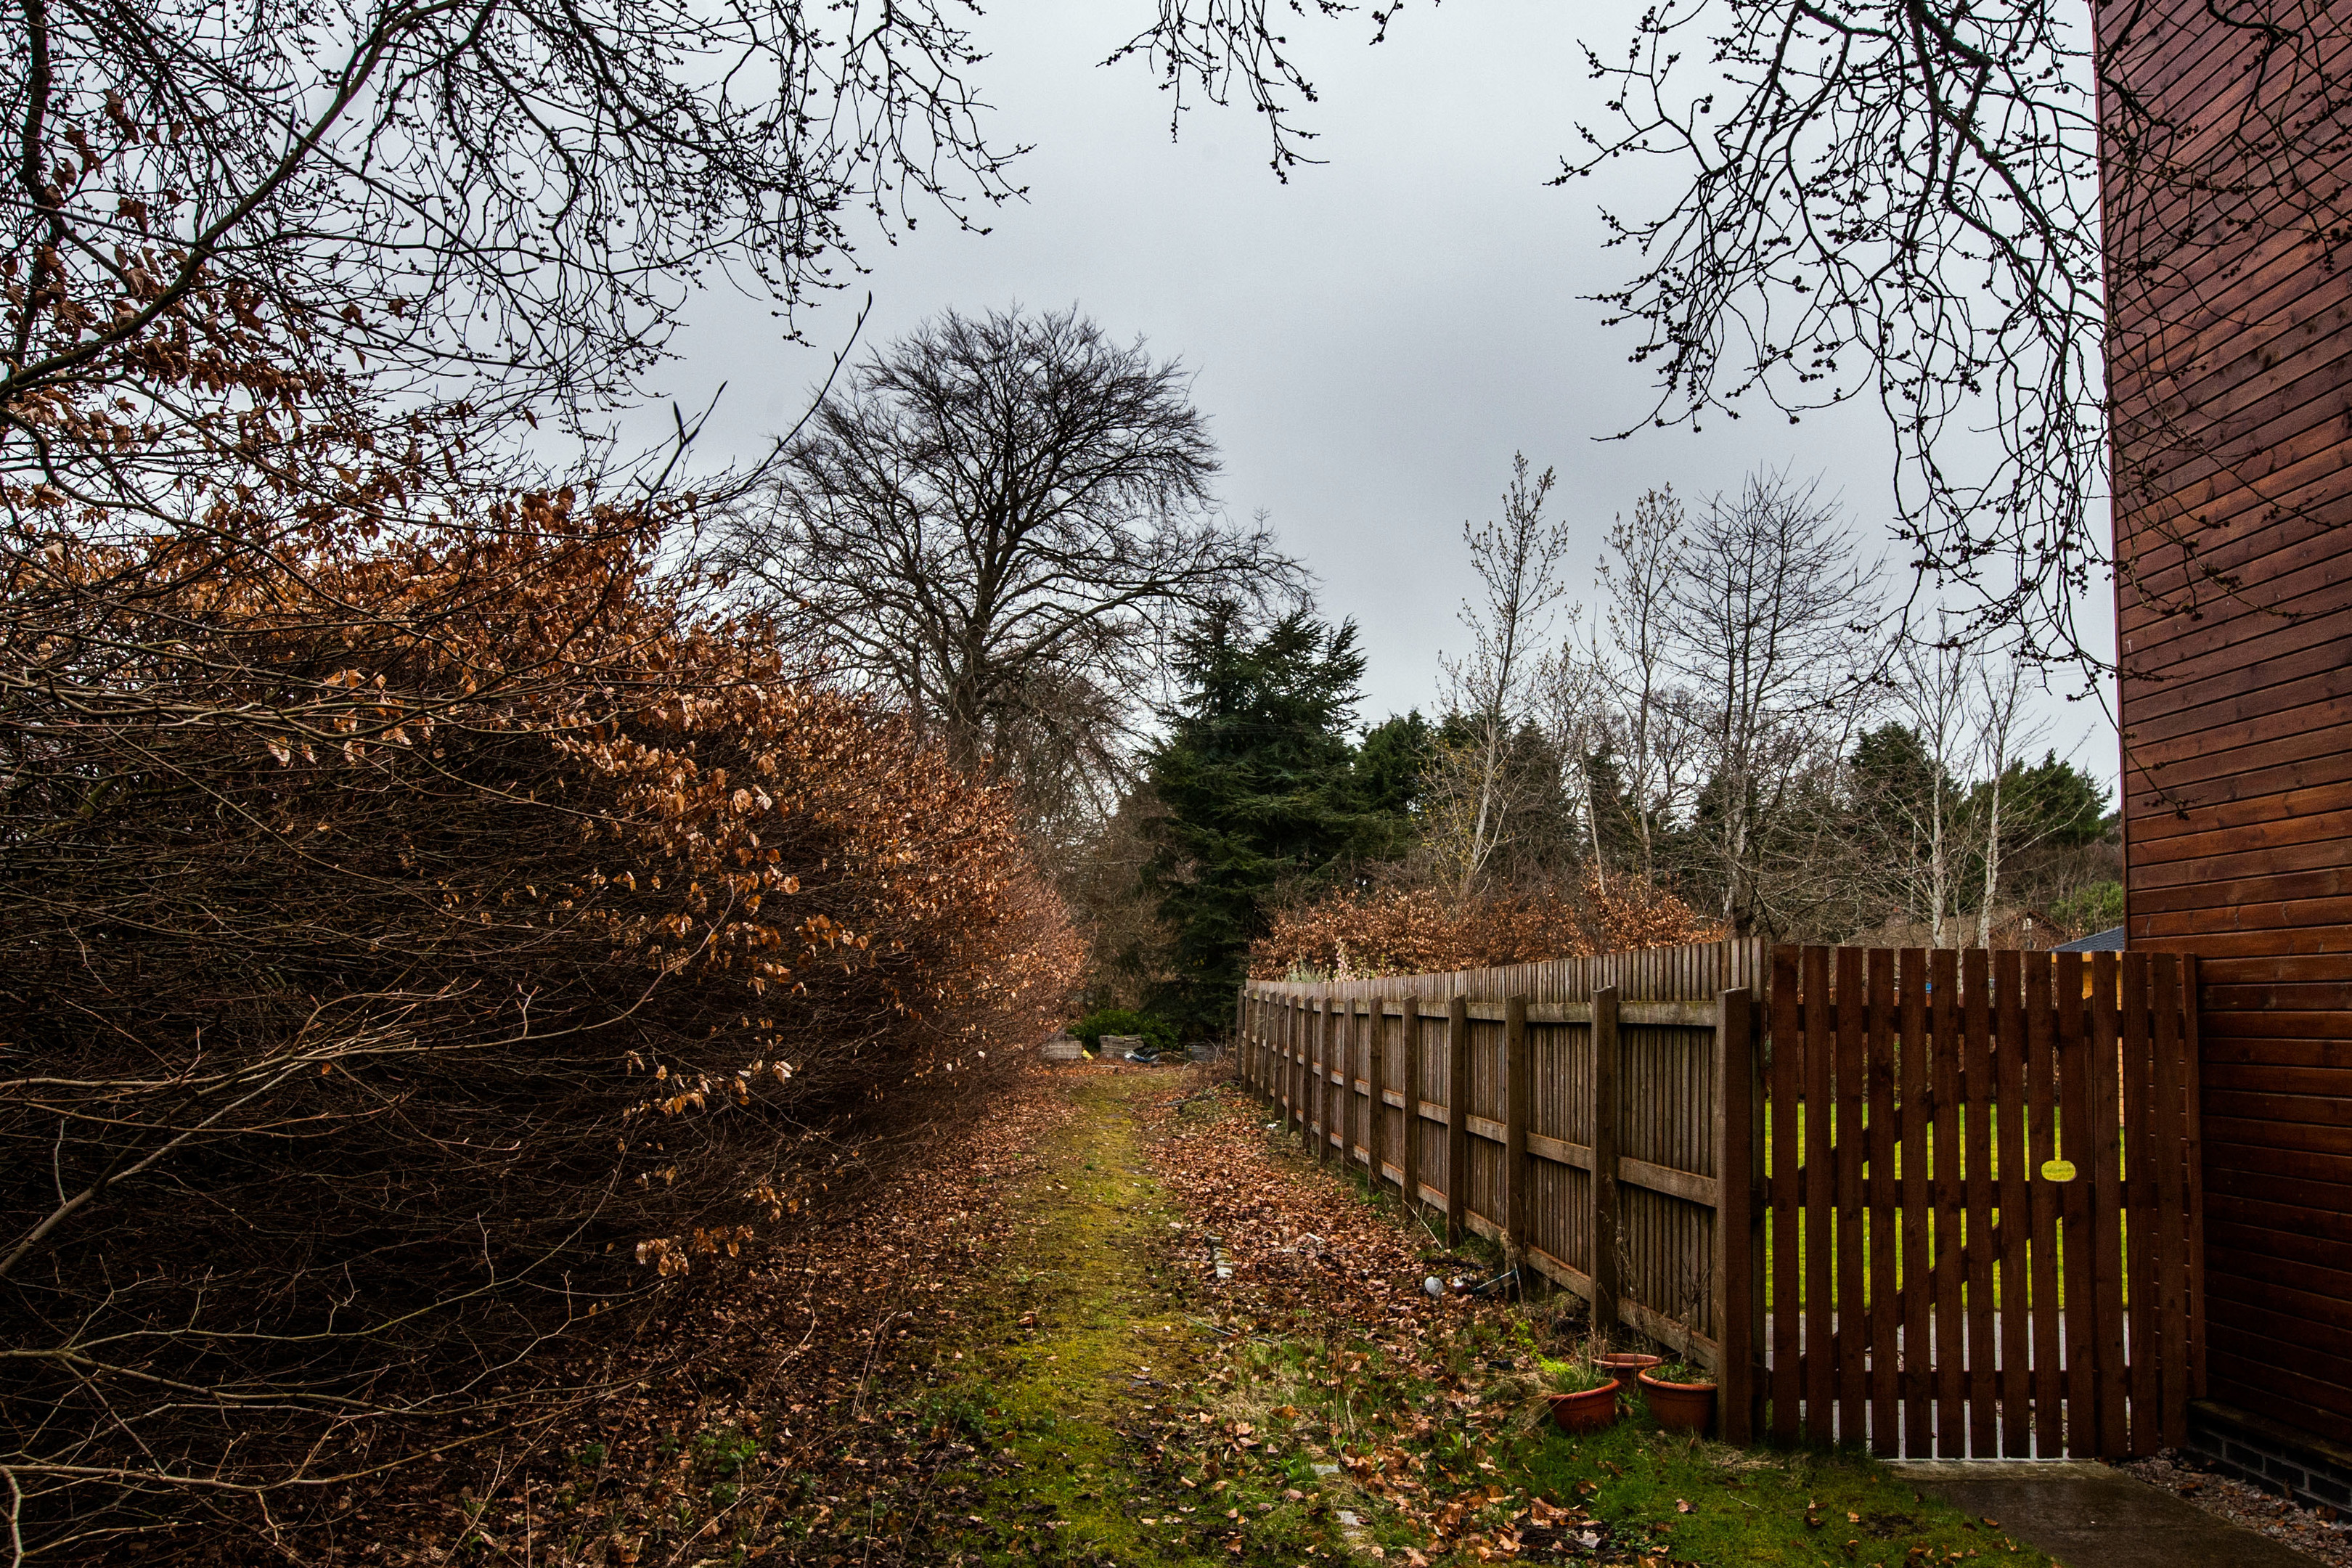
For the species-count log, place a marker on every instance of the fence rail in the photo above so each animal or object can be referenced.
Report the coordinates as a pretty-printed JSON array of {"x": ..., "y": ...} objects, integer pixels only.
[{"x": 1942, "y": 1203}]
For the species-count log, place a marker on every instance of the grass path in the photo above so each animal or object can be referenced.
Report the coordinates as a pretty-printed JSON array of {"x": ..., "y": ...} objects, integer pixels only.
[
  {"x": 1068, "y": 1393},
  {"x": 1121, "y": 1404}
]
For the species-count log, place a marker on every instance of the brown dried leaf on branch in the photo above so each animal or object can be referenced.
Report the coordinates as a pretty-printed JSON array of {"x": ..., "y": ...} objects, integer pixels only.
[
  {"x": 417, "y": 948},
  {"x": 1426, "y": 930}
]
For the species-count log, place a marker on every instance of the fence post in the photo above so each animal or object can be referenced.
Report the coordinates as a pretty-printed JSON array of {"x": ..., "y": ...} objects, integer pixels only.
[
  {"x": 1294, "y": 1076},
  {"x": 1457, "y": 1118},
  {"x": 1738, "y": 1247},
  {"x": 1603, "y": 1229},
  {"x": 1410, "y": 1155},
  {"x": 1376, "y": 1121},
  {"x": 1517, "y": 1071},
  {"x": 1240, "y": 1032},
  {"x": 1349, "y": 1028},
  {"x": 1347, "y": 1144},
  {"x": 1321, "y": 1066},
  {"x": 1258, "y": 1044}
]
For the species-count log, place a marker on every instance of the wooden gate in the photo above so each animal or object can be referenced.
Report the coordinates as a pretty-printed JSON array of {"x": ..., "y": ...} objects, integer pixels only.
[
  {"x": 1970, "y": 1180},
  {"x": 1982, "y": 1213}
]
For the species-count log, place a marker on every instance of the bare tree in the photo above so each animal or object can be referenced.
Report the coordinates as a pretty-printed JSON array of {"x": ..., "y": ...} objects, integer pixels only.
[
  {"x": 1773, "y": 622},
  {"x": 1936, "y": 782},
  {"x": 1653, "y": 727},
  {"x": 1518, "y": 562},
  {"x": 2005, "y": 734},
  {"x": 1937, "y": 693},
  {"x": 996, "y": 522},
  {"x": 1956, "y": 208},
  {"x": 1572, "y": 693},
  {"x": 431, "y": 218}
]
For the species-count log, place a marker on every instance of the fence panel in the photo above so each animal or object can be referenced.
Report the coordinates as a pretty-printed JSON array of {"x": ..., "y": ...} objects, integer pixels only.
[
  {"x": 1935, "y": 1203},
  {"x": 1513, "y": 1156}
]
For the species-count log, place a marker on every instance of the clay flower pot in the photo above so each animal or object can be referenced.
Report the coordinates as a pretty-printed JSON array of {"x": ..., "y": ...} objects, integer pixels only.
[
  {"x": 1585, "y": 1412},
  {"x": 1623, "y": 1366},
  {"x": 1680, "y": 1407}
]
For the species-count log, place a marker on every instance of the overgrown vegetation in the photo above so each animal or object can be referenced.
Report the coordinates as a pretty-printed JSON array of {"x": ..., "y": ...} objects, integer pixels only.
[{"x": 424, "y": 950}]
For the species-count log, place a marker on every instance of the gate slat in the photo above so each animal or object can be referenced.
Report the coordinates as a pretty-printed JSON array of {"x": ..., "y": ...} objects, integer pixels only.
[
  {"x": 1852, "y": 1145},
  {"x": 2015, "y": 1225},
  {"x": 1977, "y": 1078},
  {"x": 2140, "y": 1228},
  {"x": 2105, "y": 1115},
  {"x": 2193, "y": 1160},
  {"x": 1919, "y": 1278},
  {"x": 2076, "y": 1247},
  {"x": 1788, "y": 1052},
  {"x": 2171, "y": 1301},
  {"x": 1820, "y": 1200},
  {"x": 1886, "y": 1295},
  {"x": 1951, "y": 1390},
  {"x": 2049, "y": 1436}
]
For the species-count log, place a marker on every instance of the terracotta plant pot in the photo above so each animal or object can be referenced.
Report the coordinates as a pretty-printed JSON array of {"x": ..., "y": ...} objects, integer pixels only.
[
  {"x": 1680, "y": 1407},
  {"x": 1587, "y": 1412},
  {"x": 1624, "y": 1365}
]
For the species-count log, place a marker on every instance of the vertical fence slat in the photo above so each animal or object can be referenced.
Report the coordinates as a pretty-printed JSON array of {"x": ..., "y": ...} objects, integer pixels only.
[
  {"x": 1787, "y": 1053},
  {"x": 2042, "y": 1197},
  {"x": 1852, "y": 1147},
  {"x": 2192, "y": 1155},
  {"x": 1976, "y": 1156},
  {"x": 2106, "y": 1117},
  {"x": 1821, "y": 1203},
  {"x": 1376, "y": 1120},
  {"x": 1918, "y": 1277},
  {"x": 1885, "y": 1224},
  {"x": 2171, "y": 1302},
  {"x": 2014, "y": 1226},
  {"x": 1606, "y": 1281},
  {"x": 1738, "y": 1221},
  {"x": 1951, "y": 1255},
  {"x": 2139, "y": 1229},
  {"x": 2076, "y": 1246},
  {"x": 1515, "y": 1101},
  {"x": 1410, "y": 1154}
]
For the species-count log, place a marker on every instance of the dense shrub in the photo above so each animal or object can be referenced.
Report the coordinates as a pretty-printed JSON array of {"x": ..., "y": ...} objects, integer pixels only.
[
  {"x": 1156, "y": 1032},
  {"x": 1424, "y": 930},
  {"x": 415, "y": 949}
]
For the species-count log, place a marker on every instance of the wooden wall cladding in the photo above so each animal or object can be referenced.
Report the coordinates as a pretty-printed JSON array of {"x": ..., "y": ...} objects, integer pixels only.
[{"x": 2230, "y": 365}]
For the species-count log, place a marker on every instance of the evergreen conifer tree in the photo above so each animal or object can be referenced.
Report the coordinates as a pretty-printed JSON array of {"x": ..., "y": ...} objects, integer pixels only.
[{"x": 1259, "y": 791}]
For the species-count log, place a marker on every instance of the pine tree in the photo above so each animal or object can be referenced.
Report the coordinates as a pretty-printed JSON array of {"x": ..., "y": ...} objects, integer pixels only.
[{"x": 1259, "y": 791}]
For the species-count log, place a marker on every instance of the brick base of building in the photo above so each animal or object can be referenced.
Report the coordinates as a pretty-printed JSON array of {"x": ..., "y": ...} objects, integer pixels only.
[{"x": 2311, "y": 1470}]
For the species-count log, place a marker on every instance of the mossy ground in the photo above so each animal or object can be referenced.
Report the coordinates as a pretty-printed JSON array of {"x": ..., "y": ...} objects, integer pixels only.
[
  {"x": 1121, "y": 1410},
  {"x": 1077, "y": 1395}
]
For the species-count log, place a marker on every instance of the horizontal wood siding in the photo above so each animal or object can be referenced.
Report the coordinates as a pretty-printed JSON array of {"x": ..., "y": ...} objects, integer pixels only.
[{"x": 2230, "y": 365}]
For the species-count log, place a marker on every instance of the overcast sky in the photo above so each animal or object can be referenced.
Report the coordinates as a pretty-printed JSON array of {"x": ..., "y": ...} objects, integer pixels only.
[{"x": 1372, "y": 341}]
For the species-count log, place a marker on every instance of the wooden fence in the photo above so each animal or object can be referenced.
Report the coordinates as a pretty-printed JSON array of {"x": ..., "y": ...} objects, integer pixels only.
[{"x": 1691, "y": 1138}]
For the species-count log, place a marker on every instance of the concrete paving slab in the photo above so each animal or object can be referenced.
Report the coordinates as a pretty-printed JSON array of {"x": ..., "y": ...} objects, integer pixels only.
[{"x": 2088, "y": 1515}]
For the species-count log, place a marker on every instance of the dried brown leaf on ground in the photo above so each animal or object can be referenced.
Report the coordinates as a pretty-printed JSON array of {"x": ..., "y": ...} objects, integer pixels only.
[{"x": 2305, "y": 1529}]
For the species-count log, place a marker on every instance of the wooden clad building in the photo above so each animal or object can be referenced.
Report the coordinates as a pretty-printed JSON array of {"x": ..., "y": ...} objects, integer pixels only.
[{"x": 2230, "y": 362}]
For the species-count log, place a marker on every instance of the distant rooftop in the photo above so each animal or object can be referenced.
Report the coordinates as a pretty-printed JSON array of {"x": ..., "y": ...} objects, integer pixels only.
[{"x": 2109, "y": 941}]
